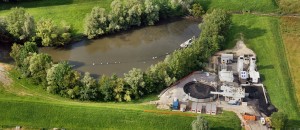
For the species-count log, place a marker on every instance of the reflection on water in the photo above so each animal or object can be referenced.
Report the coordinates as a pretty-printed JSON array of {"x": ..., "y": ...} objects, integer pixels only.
[{"x": 120, "y": 53}]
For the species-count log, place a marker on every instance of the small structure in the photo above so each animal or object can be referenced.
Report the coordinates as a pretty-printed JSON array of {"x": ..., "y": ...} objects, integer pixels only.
[
  {"x": 232, "y": 94},
  {"x": 252, "y": 66},
  {"x": 208, "y": 108},
  {"x": 254, "y": 76},
  {"x": 182, "y": 107},
  {"x": 249, "y": 117},
  {"x": 187, "y": 43},
  {"x": 226, "y": 58},
  {"x": 194, "y": 107},
  {"x": 213, "y": 109},
  {"x": 226, "y": 76},
  {"x": 175, "y": 105},
  {"x": 243, "y": 75},
  {"x": 240, "y": 64},
  {"x": 199, "y": 108}
]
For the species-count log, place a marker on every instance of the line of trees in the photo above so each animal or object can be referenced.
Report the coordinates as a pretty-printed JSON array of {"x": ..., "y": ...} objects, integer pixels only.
[
  {"x": 126, "y": 14},
  {"x": 19, "y": 26},
  {"x": 61, "y": 79}
]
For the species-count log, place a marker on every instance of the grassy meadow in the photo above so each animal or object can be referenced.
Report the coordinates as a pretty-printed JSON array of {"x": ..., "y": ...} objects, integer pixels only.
[
  {"x": 262, "y": 34},
  {"x": 72, "y": 12},
  {"x": 289, "y": 6},
  {"x": 265, "y": 6},
  {"x": 291, "y": 38},
  {"x": 30, "y": 106}
]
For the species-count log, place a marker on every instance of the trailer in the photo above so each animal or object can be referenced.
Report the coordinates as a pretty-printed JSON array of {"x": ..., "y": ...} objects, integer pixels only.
[
  {"x": 194, "y": 107},
  {"x": 199, "y": 108}
]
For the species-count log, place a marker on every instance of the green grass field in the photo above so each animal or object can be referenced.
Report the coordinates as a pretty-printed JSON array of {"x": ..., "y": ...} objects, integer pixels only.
[
  {"x": 71, "y": 11},
  {"x": 74, "y": 11},
  {"x": 265, "y": 6},
  {"x": 291, "y": 38},
  {"x": 28, "y": 105},
  {"x": 262, "y": 34}
]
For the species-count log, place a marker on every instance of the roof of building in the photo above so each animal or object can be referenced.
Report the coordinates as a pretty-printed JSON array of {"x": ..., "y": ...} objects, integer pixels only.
[
  {"x": 226, "y": 76},
  {"x": 230, "y": 56},
  {"x": 254, "y": 74}
]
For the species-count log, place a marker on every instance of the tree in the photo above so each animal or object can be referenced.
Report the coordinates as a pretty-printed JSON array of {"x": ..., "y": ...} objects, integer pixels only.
[
  {"x": 106, "y": 88},
  {"x": 38, "y": 66},
  {"x": 135, "y": 80},
  {"x": 200, "y": 124},
  {"x": 20, "y": 24},
  {"x": 4, "y": 34},
  {"x": 89, "y": 90},
  {"x": 117, "y": 20},
  {"x": 279, "y": 120},
  {"x": 61, "y": 78},
  {"x": 197, "y": 10},
  {"x": 51, "y": 34},
  {"x": 20, "y": 52},
  {"x": 95, "y": 23},
  {"x": 157, "y": 77},
  {"x": 134, "y": 11},
  {"x": 151, "y": 12},
  {"x": 118, "y": 88}
]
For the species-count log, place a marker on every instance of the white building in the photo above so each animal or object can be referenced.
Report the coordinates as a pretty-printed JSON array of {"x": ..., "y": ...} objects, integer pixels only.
[
  {"x": 254, "y": 76},
  {"x": 226, "y": 76},
  {"x": 231, "y": 93},
  {"x": 226, "y": 58}
]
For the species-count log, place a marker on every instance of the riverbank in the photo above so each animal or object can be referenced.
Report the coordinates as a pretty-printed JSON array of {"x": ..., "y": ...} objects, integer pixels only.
[
  {"x": 4, "y": 79},
  {"x": 74, "y": 12}
]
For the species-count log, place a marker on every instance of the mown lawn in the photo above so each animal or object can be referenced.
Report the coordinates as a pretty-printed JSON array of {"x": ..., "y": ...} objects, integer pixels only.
[
  {"x": 290, "y": 29},
  {"x": 262, "y": 34},
  {"x": 265, "y": 6},
  {"x": 74, "y": 11},
  {"x": 71, "y": 11},
  {"x": 28, "y": 105}
]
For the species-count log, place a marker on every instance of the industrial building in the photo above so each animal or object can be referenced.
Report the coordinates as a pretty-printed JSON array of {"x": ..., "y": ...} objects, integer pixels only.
[{"x": 236, "y": 82}]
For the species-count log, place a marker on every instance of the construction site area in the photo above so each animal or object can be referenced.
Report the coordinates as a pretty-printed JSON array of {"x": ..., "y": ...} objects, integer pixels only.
[{"x": 231, "y": 82}]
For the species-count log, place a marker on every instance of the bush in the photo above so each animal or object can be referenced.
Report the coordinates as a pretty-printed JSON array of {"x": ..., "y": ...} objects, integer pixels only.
[
  {"x": 279, "y": 120},
  {"x": 20, "y": 52},
  {"x": 51, "y": 34},
  {"x": 20, "y": 24},
  {"x": 61, "y": 78},
  {"x": 197, "y": 10},
  {"x": 96, "y": 23},
  {"x": 124, "y": 15}
]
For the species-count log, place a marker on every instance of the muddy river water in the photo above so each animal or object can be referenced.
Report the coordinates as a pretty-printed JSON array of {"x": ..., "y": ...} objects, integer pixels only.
[{"x": 119, "y": 53}]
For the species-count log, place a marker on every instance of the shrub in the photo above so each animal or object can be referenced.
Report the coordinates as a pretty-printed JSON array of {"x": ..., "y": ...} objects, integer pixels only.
[
  {"x": 197, "y": 10},
  {"x": 20, "y": 24},
  {"x": 51, "y": 34},
  {"x": 279, "y": 120}
]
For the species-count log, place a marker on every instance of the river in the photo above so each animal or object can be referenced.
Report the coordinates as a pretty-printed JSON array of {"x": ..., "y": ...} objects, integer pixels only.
[{"x": 119, "y": 53}]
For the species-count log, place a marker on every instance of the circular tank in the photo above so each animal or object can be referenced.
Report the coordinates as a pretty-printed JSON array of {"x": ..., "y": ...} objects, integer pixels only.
[{"x": 199, "y": 92}]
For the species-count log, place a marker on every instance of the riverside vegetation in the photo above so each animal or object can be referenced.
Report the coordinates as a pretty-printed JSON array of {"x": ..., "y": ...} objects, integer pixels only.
[{"x": 136, "y": 83}]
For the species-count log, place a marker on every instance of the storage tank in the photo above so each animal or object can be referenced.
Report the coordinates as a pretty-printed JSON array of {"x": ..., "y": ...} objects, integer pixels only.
[{"x": 240, "y": 63}]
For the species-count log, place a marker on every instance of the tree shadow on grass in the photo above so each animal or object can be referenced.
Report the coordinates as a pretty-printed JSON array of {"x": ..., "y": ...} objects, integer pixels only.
[
  {"x": 32, "y": 3},
  {"x": 205, "y": 4},
  {"x": 262, "y": 67},
  {"x": 293, "y": 125},
  {"x": 242, "y": 32}
]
